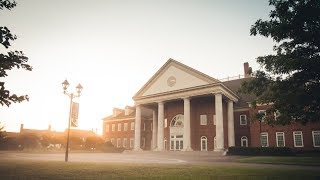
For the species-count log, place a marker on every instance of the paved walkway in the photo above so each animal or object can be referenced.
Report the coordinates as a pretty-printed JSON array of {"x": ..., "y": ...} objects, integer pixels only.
[{"x": 130, "y": 157}]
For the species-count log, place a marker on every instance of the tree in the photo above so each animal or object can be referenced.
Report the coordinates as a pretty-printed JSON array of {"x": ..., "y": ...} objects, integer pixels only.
[
  {"x": 289, "y": 80},
  {"x": 10, "y": 60},
  {"x": 93, "y": 142}
]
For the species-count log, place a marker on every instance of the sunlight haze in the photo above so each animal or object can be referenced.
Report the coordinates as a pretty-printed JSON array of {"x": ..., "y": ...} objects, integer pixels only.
[{"x": 113, "y": 47}]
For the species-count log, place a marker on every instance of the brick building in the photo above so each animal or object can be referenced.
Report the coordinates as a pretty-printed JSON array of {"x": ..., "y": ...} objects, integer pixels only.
[{"x": 180, "y": 108}]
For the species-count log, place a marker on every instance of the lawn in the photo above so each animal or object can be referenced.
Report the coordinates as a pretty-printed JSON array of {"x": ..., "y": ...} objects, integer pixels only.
[
  {"x": 312, "y": 161},
  {"x": 10, "y": 169}
]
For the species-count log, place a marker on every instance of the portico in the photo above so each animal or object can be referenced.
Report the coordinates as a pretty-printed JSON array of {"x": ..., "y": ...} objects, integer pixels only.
[{"x": 178, "y": 82}]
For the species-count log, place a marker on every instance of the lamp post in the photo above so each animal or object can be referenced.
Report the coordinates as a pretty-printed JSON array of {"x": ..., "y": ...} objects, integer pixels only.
[{"x": 79, "y": 88}]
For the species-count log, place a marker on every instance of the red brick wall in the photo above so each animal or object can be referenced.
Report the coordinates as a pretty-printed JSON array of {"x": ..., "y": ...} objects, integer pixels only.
[
  {"x": 241, "y": 130},
  {"x": 288, "y": 133}
]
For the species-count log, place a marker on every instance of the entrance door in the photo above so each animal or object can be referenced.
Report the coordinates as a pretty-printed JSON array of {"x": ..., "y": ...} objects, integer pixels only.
[{"x": 176, "y": 142}]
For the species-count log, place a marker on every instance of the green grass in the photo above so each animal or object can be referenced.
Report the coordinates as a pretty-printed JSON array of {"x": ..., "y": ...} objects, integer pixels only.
[
  {"x": 76, "y": 170},
  {"x": 312, "y": 161}
]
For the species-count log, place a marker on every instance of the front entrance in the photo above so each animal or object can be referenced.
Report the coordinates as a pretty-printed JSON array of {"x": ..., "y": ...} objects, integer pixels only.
[
  {"x": 176, "y": 143},
  {"x": 176, "y": 133}
]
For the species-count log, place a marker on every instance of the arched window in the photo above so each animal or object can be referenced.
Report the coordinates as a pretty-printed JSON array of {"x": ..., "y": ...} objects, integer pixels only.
[
  {"x": 177, "y": 121},
  {"x": 244, "y": 141},
  {"x": 204, "y": 143}
]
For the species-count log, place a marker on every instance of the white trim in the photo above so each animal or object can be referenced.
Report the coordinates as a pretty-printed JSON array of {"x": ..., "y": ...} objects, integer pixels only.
[
  {"x": 205, "y": 139},
  {"x": 264, "y": 134},
  {"x": 245, "y": 119},
  {"x": 203, "y": 120},
  {"x": 119, "y": 126},
  {"x": 284, "y": 141},
  {"x": 294, "y": 138},
  {"x": 113, "y": 127},
  {"x": 313, "y": 139},
  {"x": 132, "y": 126},
  {"x": 116, "y": 120},
  {"x": 244, "y": 138},
  {"x": 131, "y": 142}
]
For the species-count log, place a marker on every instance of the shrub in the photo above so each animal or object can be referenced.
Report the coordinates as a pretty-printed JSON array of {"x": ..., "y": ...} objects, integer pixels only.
[
  {"x": 108, "y": 147},
  {"x": 260, "y": 151}
]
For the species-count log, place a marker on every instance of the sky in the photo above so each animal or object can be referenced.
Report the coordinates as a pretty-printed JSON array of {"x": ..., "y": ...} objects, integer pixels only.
[{"x": 113, "y": 47}]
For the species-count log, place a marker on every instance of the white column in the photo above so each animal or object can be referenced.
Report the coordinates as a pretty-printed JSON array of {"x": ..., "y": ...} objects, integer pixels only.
[
  {"x": 160, "y": 126},
  {"x": 154, "y": 129},
  {"x": 137, "y": 129},
  {"x": 231, "y": 141},
  {"x": 219, "y": 123},
  {"x": 186, "y": 128}
]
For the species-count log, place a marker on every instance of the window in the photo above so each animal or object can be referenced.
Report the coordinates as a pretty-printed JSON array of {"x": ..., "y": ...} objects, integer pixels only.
[
  {"x": 264, "y": 139},
  {"x": 203, "y": 141},
  {"x": 165, "y": 123},
  {"x": 112, "y": 141},
  {"x": 107, "y": 128},
  {"x": 177, "y": 121},
  {"x": 119, "y": 126},
  {"x": 144, "y": 126},
  {"x": 124, "y": 142},
  {"x": 214, "y": 119},
  {"x": 131, "y": 142},
  {"x": 203, "y": 119},
  {"x": 143, "y": 142},
  {"x": 244, "y": 141},
  {"x": 280, "y": 139},
  {"x": 132, "y": 126},
  {"x": 263, "y": 114},
  {"x": 243, "y": 119},
  {"x": 316, "y": 138},
  {"x": 276, "y": 115},
  {"x": 118, "y": 142},
  {"x": 298, "y": 139},
  {"x": 113, "y": 127},
  {"x": 125, "y": 126}
]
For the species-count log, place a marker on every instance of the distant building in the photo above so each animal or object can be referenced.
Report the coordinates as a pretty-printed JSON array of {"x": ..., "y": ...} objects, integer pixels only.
[{"x": 180, "y": 108}]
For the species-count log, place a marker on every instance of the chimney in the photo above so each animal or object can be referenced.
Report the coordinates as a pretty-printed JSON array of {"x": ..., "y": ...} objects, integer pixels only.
[
  {"x": 116, "y": 111},
  {"x": 21, "y": 128},
  {"x": 247, "y": 70}
]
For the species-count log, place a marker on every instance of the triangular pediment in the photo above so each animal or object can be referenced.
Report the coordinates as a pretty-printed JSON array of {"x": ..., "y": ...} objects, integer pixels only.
[{"x": 173, "y": 76}]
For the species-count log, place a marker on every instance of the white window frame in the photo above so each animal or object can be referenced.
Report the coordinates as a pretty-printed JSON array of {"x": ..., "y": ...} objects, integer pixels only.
[
  {"x": 277, "y": 139},
  {"x": 124, "y": 143},
  {"x": 265, "y": 114},
  {"x": 165, "y": 122},
  {"x": 245, "y": 118},
  {"x": 132, "y": 126},
  {"x": 107, "y": 128},
  {"x": 294, "y": 138},
  {"x": 205, "y": 139},
  {"x": 144, "y": 126},
  {"x": 131, "y": 142},
  {"x": 113, "y": 127},
  {"x": 313, "y": 138},
  {"x": 203, "y": 120},
  {"x": 119, "y": 126},
  {"x": 264, "y": 134},
  {"x": 118, "y": 142},
  {"x": 125, "y": 126},
  {"x": 244, "y": 138}
]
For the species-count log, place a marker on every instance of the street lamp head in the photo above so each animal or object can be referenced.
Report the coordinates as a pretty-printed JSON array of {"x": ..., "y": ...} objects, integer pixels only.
[
  {"x": 79, "y": 89},
  {"x": 65, "y": 85}
]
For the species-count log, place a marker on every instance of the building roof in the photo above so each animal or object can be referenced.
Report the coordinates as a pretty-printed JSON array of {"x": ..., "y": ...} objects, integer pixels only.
[{"x": 234, "y": 85}]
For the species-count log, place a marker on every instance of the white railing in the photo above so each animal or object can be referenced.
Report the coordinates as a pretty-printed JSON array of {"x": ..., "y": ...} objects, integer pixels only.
[{"x": 232, "y": 78}]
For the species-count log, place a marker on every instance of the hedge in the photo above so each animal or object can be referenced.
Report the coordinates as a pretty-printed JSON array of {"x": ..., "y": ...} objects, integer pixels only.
[{"x": 261, "y": 151}]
